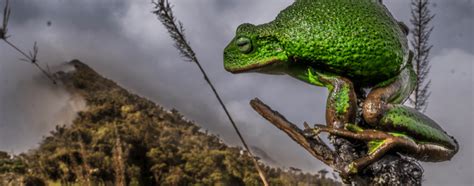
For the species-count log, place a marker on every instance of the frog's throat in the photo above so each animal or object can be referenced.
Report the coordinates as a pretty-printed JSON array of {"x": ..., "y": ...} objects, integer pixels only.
[{"x": 254, "y": 66}]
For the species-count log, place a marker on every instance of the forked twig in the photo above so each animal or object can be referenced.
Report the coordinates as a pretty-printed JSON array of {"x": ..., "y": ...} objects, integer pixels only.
[{"x": 32, "y": 56}]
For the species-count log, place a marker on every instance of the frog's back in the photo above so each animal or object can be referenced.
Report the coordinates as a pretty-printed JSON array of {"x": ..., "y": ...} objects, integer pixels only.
[{"x": 357, "y": 38}]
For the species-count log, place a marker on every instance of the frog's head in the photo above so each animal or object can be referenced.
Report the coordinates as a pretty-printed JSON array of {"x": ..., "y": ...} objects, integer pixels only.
[{"x": 253, "y": 48}]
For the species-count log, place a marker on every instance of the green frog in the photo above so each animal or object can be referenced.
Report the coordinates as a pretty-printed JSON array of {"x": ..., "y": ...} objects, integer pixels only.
[{"x": 342, "y": 44}]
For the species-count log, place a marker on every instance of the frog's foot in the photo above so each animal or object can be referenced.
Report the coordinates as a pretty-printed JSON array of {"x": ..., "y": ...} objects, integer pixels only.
[
  {"x": 379, "y": 143},
  {"x": 351, "y": 131},
  {"x": 377, "y": 149}
]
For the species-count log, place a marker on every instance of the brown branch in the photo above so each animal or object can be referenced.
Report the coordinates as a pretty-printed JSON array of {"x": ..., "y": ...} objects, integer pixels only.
[
  {"x": 316, "y": 148},
  {"x": 392, "y": 169}
]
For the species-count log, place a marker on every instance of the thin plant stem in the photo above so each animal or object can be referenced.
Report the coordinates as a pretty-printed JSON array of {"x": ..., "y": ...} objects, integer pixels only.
[
  {"x": 421, "y": 18},
  {"x": 165, "y": 15}
]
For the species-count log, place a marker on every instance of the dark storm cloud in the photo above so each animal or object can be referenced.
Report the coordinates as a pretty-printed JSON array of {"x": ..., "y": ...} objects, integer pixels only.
[
  {"x": 24, "y": 11},
  {"x": 83, "y": 14},
  {"x": 30, "y": 107},
  {"x": 122, "y": 40}
]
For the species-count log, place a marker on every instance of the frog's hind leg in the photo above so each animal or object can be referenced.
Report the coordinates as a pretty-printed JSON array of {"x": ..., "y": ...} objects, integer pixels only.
[
  {"x": 383, "y": 110},
  {"x": 379, "y": 143},
  {"x": 387, "y": 95}
]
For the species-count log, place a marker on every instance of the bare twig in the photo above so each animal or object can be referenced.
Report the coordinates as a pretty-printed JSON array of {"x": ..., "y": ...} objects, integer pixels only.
[
  {"x": 316, "y": 148},
  {"x": 32, "y": 56},
  {"x": 165, "y": 14}
]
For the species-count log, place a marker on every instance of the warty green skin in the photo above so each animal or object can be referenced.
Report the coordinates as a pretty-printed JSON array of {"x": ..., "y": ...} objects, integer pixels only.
[
  {"x": 357, "y": 39},
  {"x": 320, "y": 41}
]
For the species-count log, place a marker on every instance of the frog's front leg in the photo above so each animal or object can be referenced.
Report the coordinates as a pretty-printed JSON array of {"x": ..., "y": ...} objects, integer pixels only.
[{"x": 341, "y": 103}]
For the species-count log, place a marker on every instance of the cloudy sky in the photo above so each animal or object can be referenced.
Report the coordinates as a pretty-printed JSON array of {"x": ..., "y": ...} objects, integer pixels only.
[{"x": 123, "y": 41}]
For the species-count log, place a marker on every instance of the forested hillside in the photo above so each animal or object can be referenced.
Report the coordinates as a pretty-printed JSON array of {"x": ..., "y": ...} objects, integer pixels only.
[{"x": 123, "y": 139}]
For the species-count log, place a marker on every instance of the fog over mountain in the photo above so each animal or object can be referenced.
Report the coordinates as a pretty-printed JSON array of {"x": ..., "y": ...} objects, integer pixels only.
[{"x": 125, "y": 42}]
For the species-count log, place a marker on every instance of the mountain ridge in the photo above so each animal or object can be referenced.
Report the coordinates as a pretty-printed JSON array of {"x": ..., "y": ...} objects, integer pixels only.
[{"x": 123, "y": 139}]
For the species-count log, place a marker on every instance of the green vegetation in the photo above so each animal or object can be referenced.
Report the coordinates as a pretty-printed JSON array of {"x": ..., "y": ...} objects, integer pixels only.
[{"x": 123, "y": 139}]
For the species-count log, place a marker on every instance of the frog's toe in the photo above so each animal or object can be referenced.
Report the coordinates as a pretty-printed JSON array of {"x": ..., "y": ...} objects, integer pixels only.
[
  {"x": 353, "y": 127},
  {"x": 313, "y": 132},
  {"x": 351, "y": 168},
  {"x": 318, "y": 128},
  {"x": 308, "y": 131}
]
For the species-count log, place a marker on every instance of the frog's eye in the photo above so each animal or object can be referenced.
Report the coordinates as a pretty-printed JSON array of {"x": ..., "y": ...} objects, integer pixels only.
[{"x": 244, "y": 44}]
